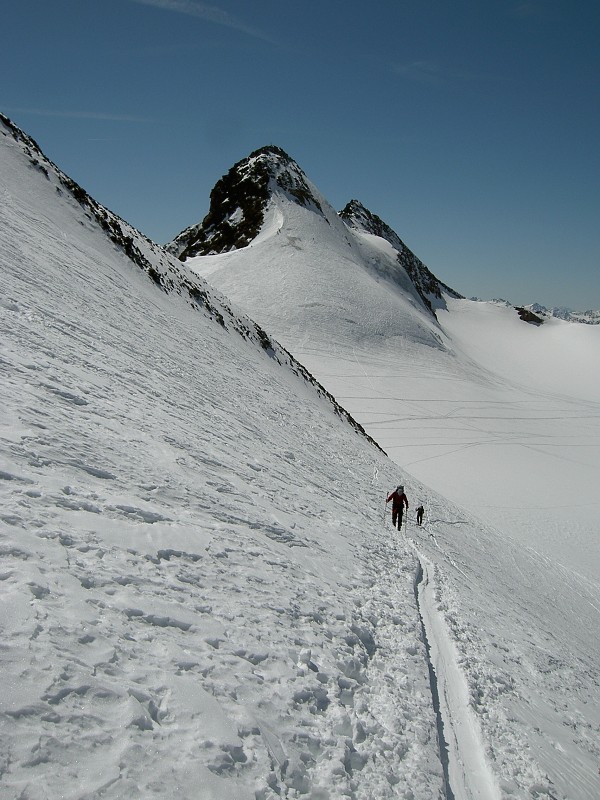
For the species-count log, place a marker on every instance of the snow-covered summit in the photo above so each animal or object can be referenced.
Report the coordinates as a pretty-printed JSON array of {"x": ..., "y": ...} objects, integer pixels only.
[
  {"x": 238, "y": 212},
  {"x": 238, "y": 202}
]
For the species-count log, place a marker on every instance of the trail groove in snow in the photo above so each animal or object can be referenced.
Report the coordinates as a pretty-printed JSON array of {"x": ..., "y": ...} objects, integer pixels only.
[
  {"x": 468, "y": 775},
  {"x": 435, "y": 695}
]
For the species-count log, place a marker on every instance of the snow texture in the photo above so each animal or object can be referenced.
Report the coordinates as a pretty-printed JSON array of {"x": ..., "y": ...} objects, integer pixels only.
[{"x": 201, "y": 593}]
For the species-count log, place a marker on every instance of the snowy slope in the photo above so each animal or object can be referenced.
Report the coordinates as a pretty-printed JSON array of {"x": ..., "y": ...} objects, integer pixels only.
[
  {"x": 197, "y": 589},
  {"x": 467, "y": 389},
  {"x": 199, "y": 596},
  {"x": 499, "y": 415}
]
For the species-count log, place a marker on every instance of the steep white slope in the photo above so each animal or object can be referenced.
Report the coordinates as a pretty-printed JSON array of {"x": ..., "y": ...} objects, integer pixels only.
[
  {"x": 305, "y": 274},
  {"x": 198, "y": 596}
]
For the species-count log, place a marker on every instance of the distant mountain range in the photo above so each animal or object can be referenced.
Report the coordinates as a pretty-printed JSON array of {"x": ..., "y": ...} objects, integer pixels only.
[
  {"x": 537, "y": 314},
  {"x": 587, "y": 317}
]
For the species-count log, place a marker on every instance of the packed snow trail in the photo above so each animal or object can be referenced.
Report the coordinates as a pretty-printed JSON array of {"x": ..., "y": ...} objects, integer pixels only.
[{"x": 468, "y": 773}]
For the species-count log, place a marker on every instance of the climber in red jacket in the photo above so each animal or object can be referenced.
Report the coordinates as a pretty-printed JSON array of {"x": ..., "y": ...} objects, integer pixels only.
[{"x": 399, "y": 502}]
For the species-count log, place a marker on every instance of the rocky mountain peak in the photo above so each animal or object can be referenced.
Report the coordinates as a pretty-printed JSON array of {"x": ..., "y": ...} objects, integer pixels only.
[
  {"x": 288, "y": 177},
  {"x": 238, "y": 202}
]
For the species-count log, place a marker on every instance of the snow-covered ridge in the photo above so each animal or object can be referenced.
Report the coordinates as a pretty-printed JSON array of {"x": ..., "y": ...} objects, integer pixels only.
[
  {"x": 589, "y": 317},
  {"x": 429, "y": 287},
  {"x": 165, "y": 271},
  {"x": 133, "y": 243}
]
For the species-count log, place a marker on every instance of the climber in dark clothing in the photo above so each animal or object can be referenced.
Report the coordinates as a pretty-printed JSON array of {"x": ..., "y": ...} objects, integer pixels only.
[
  {"x": 420, "y": 512},
  {"x": 399, "y": 503}
]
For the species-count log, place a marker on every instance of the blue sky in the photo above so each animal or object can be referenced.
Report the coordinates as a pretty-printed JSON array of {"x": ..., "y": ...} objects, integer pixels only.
[{"x": 470, "y": 126}]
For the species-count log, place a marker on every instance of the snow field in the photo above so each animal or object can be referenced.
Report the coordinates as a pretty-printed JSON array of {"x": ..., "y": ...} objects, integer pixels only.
[
  {"x": 200, "y": 594},
  {"x": 502, "y": 419},
  {"x": 197, "y": 590}
]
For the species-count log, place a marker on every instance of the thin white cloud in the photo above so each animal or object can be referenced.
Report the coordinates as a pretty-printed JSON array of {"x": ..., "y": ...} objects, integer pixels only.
[
  {"x": 47, "y": 112},
  {"x": 528, "y": 9},
  {"x": 218, "y": 16},
  {"x": 423, "y": 71},
  {"x": 435, "y": 74}
]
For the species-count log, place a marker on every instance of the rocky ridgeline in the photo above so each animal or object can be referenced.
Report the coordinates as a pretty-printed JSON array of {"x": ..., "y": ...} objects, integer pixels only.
[{"x": 356, "y": 216}]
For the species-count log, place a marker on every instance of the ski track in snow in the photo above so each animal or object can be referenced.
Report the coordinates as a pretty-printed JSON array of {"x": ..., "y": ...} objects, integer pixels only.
[{"x": 468, "y": 772}]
